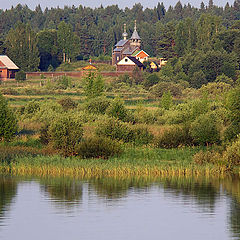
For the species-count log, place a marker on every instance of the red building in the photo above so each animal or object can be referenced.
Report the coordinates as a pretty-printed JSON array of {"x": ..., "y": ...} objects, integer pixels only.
[{"x": 7, "y": 68}]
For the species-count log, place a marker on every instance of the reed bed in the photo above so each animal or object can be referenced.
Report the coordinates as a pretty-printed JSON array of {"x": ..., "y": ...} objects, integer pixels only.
[{"x": 134, "y": 163}]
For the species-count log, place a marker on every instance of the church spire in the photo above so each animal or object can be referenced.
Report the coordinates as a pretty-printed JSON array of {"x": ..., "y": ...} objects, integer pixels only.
[
  {"x": 135, "y": 35},
  {"x": 125, "y": 32}
]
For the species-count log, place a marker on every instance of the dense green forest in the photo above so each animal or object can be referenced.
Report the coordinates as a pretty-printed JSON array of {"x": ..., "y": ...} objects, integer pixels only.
[{"x": 199, "y": 38}]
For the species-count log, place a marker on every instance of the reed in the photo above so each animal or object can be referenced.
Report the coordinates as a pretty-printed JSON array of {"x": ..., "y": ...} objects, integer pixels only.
[{"x": 135, "y": 162}]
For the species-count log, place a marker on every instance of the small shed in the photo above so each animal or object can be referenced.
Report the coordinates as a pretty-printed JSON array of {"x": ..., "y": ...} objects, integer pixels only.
[
  {"x": 8, "y": 68},
  {"x": 129, "y": 63}
]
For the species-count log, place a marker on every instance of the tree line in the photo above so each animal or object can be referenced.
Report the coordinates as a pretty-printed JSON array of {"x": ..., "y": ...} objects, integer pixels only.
[{"x": 37, "y": 39}]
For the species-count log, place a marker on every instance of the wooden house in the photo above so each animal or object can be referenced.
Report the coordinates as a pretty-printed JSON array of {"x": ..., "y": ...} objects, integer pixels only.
[
  {"x": 7, "y": 68},
  {"x": 129, "y": 63}
]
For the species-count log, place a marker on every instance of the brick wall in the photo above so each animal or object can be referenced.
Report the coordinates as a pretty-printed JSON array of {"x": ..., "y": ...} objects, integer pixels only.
[{"x": 74, "y": 74}]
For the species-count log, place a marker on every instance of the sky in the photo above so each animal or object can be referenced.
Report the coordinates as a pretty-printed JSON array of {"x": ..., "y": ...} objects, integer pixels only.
[{"x": 7, "y": 4}]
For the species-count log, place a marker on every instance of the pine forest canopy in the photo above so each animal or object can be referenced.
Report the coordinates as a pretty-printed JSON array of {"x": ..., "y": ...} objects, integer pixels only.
[{"x": 43, "y": 38}]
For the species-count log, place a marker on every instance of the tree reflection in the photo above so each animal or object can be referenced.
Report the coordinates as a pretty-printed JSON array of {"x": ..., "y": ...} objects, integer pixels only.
[
  {"x": 115, "y": 188},
  {"x": 63, "y": 191},
  {"x": 203, "y": 191},
  {"x": 8, "y": 190}
]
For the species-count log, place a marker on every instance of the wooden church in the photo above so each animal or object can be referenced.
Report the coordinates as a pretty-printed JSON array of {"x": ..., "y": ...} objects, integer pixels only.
[{"x": 129, "y": 48}]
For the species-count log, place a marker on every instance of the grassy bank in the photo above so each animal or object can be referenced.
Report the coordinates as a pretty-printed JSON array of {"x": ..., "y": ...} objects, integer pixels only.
[{"x": 133, "y": 162}]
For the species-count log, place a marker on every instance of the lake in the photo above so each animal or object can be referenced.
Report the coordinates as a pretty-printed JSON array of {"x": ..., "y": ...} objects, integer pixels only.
[{"x": 119, "y": 209}]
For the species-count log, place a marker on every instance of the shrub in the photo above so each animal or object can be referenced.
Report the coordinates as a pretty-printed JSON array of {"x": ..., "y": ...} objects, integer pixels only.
[
  {"x": 98, "y": 147},
  {"x": 67, "y": 103},
  {"x": 125, "y": 78},
  {"x": 174, "y": 137},
  {"x": 93, "y": 85},
  {"x": 20, "y": 75},
  {"x": 151, "y": 80},
  {"x": 232, "y": 153},
  {"x": 231, "y": 131},
  {"x": 31, "y": 108},
  {"x": 204, "y": 130},
  {"x": 9, "y": 91},
  {"x": 97, "y": 105},
  {"x": 65, "y": 133},
  {"x": 118, "y": 110},
  {"x": 8, "y": 121},
  {"x": 158, "y": 89},
  {"x": 141, "y": 135},
  {"x": 166, "y": 100},
  {"x": 215, "y": 89},
  {"x": 60, "y": 82},
  {"x": 143, "y": 115},
  {"x": 115, "y": 129},
  {"x": 202, "y": 157}
]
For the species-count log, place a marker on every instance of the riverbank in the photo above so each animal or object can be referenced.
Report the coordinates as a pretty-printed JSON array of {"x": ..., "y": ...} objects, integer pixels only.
[{"x": 135, "y": 161}]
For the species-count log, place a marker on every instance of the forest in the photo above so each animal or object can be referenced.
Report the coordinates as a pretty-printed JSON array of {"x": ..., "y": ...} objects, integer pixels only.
[{"x": 39, "y": 39}]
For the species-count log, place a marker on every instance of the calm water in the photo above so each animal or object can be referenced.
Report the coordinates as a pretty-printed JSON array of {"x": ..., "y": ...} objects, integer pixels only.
[{"x": 119, "y": 209}]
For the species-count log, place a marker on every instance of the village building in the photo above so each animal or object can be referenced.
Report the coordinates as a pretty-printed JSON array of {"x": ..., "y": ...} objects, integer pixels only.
[
  {"x": 128, "y": 48},
  {"x": 141, "y": 55},
  {"x": 89, "y": 67},
  {"x": 129, "y": 63},
  {"x": 154, "y": 66},
  {"x": 8, "y": 68}
]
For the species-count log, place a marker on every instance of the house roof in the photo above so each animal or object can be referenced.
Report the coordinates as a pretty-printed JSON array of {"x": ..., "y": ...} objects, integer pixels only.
[
  {"x": 133, "y": 60},
  {"x": 8, "y": 62},
  {"x": 89, "y": 67},
  {"x": 130, "y": 51},
  {"x": 137, "y": 52},
  {"x": 118, "y": 49},
  {"x": 138, "y": 63},
  {"x": 121, "y": 43}
]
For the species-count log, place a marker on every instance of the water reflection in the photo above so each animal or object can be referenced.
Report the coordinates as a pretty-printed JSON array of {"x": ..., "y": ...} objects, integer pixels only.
[
  {"x": 217, "y": 199},
  {"x": 8, "y": 189},
  {"x": 62, "y": 191}
]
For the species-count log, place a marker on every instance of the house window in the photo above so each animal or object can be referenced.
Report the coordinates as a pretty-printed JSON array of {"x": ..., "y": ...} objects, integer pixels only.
[
  {"x": 126, "y": 59},
  {"x": 117, "y": 58}
]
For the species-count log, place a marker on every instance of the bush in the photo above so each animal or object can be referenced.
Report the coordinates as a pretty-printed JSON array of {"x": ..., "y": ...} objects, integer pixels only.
[
  {"x": 166, "y": 100},
  {"x": 98, "y": 147},
  {"x": 231, "y": 131},
  {"x": 151, "y": 80},
  {"x": 174, "y": 137},
  {"x": 9, "y": 91},
  {"x": 204, "y": 130},
  {"x": 8, "y": 121},
  {"x": 215, "y": 89},
  {"x": 141, "y": 135},
  {"x": 67, "y": 103},
  {"x": 64, "y": 134},
  {"x": 20, "y": 76},
  {"x": 61, "y": 82},
  {"x": 158, "y": 89},
  {"x": 213, "y": 157},
  {"x": 31, "y": 108},
  {"x": 93, "y": 85},
  {"x": 115, "y": 129},
  {"x": 143, "y": 115},
  {"x": 232, "y": 153},
  {"x": 118, "y": 110},
  {"x": 97, "y": 105}
]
